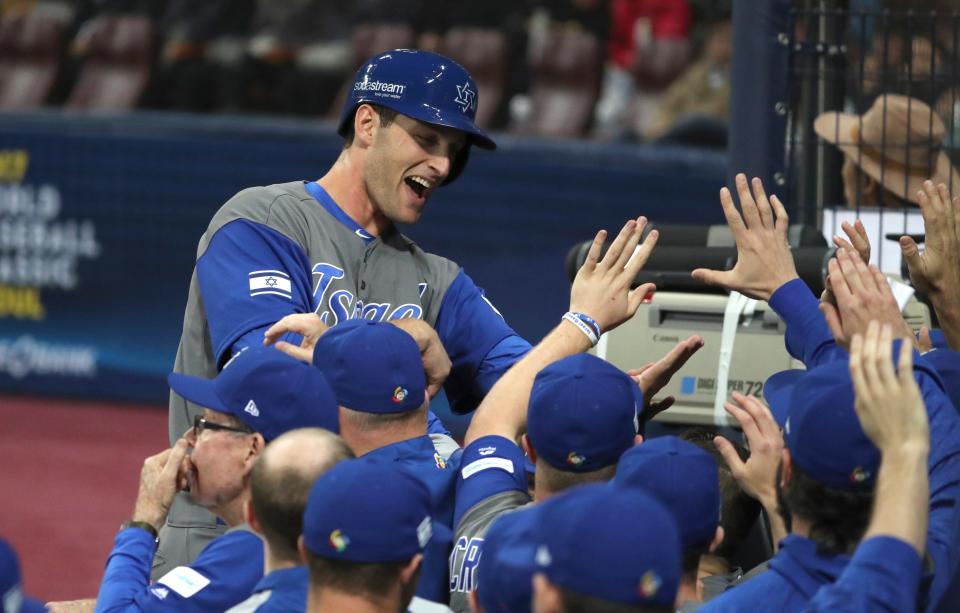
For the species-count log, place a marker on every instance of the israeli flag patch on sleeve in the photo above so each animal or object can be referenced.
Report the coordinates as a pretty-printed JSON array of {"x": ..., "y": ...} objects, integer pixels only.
[
  {"x": 273, "y": 282},
  {"x": 184, "y": 581}
]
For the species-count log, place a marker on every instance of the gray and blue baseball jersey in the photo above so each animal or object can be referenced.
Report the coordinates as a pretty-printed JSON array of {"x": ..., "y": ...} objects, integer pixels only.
[
  {"x": 289, "y": 248},
  {"x": 492, "y": 481}
]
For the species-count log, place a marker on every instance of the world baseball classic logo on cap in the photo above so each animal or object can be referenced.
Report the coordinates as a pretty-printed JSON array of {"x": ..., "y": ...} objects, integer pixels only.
[
  {"x": 859, "y": 475},
  {"x": 399, "y": 395},
  {"x": 650, "y": 582},
  {"x": 573, "y": 459},
  {"x": 339, "y": 540}
]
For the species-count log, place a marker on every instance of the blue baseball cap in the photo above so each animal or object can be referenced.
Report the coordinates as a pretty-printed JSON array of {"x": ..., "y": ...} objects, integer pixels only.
[
  {"x": 681, "y": 476},
  {"x": 267, "y": 390},
  {"x": 820, "y": 425},
  {"x": 611, "y": 543},
  {"x": 373, "y": 367},
  {"x": 583, "y": 413},
  {"x": 509, "y": 562},
  {"x": 369, "y": 510},
  {"x": 12, "y": 598}
]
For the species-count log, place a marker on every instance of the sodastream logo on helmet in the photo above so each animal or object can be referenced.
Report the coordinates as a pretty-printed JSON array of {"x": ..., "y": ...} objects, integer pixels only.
[{"x": 380, "y": 88}]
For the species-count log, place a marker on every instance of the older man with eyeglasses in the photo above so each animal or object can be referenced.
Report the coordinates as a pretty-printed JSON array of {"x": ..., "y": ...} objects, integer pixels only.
[{"x": 260, "y": 395}]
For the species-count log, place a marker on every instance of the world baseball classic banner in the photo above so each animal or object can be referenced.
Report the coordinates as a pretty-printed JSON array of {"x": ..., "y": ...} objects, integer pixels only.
[{"x": 100, "y": 218}]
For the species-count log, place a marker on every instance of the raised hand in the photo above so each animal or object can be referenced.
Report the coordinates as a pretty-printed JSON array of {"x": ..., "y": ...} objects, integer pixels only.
[
  {"x": 601, "y": 288},
  {"x": 936, "y": 271},
  {"x": 306, "y": 324},
  {"x": 764, "y": 261},
  {"x": 758, "y": 475},
  {"x": 858, "y": 242},
  {"x": 862, "y": 294},
  {"x": 654, "y": 376},
  {"x": 888, "y": 403},
  {"x": 892, "y": 414},
  {"x": 159, "y": 482}
]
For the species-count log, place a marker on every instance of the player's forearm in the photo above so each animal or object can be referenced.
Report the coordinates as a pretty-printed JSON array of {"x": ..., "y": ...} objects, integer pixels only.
[
  {"x": 948, "y": 313},
  {"x": 900, "y": 505},
  {"x": 503, "y": 411}
]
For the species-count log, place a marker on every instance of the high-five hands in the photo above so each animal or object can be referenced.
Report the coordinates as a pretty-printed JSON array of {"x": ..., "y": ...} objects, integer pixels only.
[
  {"x": 764, "y": 261},
  {"x": 601, "y": 288},
  {"x": 654, "y": 376},
  {"x": 862, "y": 295}
]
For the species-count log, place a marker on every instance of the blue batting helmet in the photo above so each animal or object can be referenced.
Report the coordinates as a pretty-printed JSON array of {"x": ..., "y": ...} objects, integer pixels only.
[{"x": 422, "y": 85}]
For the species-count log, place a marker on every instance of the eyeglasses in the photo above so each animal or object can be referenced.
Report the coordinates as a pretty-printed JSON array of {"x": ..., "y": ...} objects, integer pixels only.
[{"x": 200, "y": 424}]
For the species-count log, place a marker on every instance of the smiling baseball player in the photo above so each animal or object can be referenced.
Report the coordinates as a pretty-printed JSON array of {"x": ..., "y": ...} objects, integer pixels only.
[{"x": 330, "y": 247}]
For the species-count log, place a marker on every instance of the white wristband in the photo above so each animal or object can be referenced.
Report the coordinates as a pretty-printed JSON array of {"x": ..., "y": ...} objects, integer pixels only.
[{"x": 583, "y": 326}]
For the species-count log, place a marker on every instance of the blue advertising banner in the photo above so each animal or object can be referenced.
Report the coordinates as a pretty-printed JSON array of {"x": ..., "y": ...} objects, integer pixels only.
[{"x": 100, "y": 218}]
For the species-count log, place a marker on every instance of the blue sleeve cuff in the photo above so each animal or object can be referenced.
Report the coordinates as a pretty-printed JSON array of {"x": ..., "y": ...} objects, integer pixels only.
[
  {"x": 808, "y": 337},
  {"x": 939, "y": 339},
  {"x": 127, "y": 572},
  {"x": 893, "y": 553},
  {"x": 490, "y": 465},
  {"x": 793, "y": 300}
]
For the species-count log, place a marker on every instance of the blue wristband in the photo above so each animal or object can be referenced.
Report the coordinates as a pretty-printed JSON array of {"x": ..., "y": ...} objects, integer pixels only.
[
  {"x": 590, "y": 321},
  {"x": 586, "y": 324}
]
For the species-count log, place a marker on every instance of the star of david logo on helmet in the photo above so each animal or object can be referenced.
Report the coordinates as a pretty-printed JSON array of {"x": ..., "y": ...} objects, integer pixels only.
[{"x": 466, "y": 97}]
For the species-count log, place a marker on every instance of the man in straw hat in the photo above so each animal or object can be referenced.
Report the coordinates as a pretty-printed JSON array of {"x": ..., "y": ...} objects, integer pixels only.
[{"x": 896, "y": 145}]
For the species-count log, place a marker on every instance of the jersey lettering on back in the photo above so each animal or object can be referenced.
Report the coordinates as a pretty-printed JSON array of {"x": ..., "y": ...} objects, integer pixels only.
[{"x": 463, "y": 564}]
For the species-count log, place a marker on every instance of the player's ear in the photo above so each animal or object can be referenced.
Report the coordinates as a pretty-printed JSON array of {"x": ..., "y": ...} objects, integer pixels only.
[
  {"x": 546, "y": 597},
  {"x": 411, "y": 568},
  {"x": 528, "y": 448},
  {"x": 254, "y": 450},
  {"x": 717, "y": 539},
  {"x": 302, "y": 550},
  {"x": 365, "y": 124},
  {"x": 786, "y": 472}
]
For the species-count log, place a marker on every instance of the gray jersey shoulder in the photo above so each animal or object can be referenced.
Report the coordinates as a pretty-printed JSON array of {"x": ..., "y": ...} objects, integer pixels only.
[{"x": 468, "y": 542}]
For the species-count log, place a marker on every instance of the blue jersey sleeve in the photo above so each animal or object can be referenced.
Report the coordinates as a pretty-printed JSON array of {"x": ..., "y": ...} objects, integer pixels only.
[
  {"x": 224, "y": 574},
  {"x": 490, "y": 465},
  {"x": 883, "y": 576},
  {"x": 808, "y": 337},
  {"x": 250, "y": 276},
  {"x": 943, "y": 539},
  {"x": 128, "y": 571},
  {"x": 480, "y": 343},
  {"x": 939, "y": 339},
  {"x": 947, "y": 364},
  {"x": 226, "y": 571}
]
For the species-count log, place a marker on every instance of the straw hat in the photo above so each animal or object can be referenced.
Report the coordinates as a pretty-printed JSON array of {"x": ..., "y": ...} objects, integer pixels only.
[{"x": 898, "y": 142}]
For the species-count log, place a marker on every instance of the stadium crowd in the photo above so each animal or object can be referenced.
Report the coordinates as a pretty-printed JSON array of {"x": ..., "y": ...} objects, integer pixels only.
[
  {"x": 614, "y": 69},
  {"x": 307, "y": 439}
]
